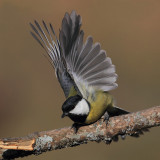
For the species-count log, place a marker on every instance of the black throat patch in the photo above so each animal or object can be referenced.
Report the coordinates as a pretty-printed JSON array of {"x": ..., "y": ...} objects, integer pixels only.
[{"x": 78, "y": 118}]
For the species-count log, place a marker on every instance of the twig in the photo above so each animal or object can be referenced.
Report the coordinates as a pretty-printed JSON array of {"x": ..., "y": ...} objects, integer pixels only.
[{"x": 131, "y": 124}]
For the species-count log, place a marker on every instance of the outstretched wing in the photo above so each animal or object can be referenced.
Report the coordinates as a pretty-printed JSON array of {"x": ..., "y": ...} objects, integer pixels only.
[
  {"x": 52, "y": 47},
  {"x": 87, "y": 64},
  {"x": 83, "y": 68}
]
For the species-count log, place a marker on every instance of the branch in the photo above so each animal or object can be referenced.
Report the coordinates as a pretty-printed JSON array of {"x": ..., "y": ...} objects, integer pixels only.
[{"x": 131, "y": 124}]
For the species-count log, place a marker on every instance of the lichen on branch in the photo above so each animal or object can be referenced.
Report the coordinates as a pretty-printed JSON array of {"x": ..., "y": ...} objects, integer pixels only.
[{"x": 132, "y": 124}]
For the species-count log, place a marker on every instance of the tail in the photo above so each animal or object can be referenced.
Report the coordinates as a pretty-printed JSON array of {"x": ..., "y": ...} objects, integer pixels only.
[{"x": 116, "y": 111}]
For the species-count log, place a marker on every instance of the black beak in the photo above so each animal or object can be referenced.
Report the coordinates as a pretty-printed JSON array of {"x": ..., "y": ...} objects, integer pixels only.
[{"x": 63, "y": 115}]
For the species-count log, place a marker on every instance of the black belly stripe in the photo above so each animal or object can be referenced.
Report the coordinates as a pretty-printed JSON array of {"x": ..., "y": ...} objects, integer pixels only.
[{"x": 78, "y": 118}]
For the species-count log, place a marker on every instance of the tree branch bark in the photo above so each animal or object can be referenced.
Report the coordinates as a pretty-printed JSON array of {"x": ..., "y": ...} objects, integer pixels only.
[{"x": 132, "y": 124}]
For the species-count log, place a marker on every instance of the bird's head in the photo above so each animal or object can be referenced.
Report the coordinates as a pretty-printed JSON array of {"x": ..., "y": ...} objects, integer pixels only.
[{"x": 75, "y": 106}]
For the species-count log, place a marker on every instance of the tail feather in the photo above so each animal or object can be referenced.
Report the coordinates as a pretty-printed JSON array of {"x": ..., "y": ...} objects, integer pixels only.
[{"x": 116, "y": 111}]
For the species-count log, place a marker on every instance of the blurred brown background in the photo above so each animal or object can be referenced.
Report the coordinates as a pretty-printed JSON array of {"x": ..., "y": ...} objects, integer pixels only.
[{"x": 30, "y": 96}]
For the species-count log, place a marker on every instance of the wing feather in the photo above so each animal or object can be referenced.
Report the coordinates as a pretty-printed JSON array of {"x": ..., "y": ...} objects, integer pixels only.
[
  {"x": 86, "y": 49},
  {"x": 97, "y": 64},
  {"x": 100, "y": 74},
  {"x": 77, "y": 48},
  {"x": 89, "y": 58}
]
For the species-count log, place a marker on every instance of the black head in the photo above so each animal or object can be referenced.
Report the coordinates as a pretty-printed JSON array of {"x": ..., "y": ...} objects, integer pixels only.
[{"x": 70, "y": 104}]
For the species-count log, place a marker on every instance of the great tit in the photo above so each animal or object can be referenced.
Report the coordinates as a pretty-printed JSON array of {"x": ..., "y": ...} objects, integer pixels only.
[{"x": 84, "y": 71}]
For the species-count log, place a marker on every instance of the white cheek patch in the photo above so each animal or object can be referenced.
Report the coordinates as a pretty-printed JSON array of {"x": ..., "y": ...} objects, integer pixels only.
[{"x": 82, "y": 108}]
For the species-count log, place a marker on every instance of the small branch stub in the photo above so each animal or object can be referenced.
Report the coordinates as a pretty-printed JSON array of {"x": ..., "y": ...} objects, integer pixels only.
[{"x": 17, "y": 144}]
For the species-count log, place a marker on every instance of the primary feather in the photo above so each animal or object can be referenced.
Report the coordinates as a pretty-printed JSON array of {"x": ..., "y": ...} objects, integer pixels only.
[
  {"x": 52, "y": 47},
  {"x": 82, "y": 66}
]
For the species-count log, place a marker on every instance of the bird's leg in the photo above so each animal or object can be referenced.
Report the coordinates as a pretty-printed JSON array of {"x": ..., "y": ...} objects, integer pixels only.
[
  {"x": 75, "y": 127},
  {"x": 106, "y": 117}
]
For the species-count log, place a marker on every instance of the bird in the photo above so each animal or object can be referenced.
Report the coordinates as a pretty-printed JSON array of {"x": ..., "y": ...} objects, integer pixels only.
[{"x": 84, "y": 71}]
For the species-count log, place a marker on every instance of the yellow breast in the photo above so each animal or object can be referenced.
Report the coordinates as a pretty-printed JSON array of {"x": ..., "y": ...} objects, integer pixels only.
[{"x": 98, "y": 107}]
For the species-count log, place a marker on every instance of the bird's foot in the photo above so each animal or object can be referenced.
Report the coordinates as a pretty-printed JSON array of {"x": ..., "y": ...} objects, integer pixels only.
[
  {"x": 75, "y": 127},
  {"x": 106, "y": 117}
]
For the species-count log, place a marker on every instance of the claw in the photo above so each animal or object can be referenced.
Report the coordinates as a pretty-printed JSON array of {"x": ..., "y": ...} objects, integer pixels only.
[
  {"x": 106, "y": 117},
  {"x": 123, "y": 136},
  {"x": 115, "y": 138},
  {"x": 75, "y": 127}
]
